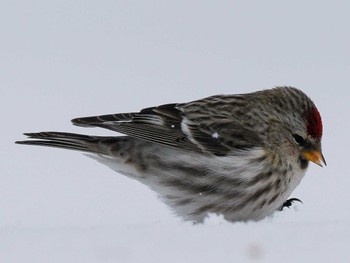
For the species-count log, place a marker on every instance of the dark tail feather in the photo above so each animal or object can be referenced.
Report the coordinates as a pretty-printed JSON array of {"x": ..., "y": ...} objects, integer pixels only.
[{"x": 66, "y": 140}]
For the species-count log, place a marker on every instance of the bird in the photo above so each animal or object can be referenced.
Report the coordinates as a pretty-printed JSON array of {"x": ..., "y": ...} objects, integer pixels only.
[{"x": 240, "y": 156}]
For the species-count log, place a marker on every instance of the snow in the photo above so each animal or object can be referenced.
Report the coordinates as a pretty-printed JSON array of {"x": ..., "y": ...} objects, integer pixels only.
[
  {"x": 164, "y": 242},
  {"x": 64, "y": 59},
  {"x": 215, "y": 135}
]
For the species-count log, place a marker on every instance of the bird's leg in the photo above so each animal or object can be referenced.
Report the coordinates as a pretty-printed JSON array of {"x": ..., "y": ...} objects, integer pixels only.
[{"x": 288, "y": 203}]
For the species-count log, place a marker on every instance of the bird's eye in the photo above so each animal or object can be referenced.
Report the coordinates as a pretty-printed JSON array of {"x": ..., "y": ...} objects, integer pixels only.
[{"x": 298, "y": 139}]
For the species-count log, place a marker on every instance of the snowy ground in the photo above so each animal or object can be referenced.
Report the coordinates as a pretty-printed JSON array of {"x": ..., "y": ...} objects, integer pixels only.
[
  {"x": 164, "y": 242},
  {"x": 64, "y": 59}
]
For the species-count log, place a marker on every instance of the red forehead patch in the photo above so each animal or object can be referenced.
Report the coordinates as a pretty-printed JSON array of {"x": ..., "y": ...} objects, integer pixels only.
[{"x": 314, "y": 124}]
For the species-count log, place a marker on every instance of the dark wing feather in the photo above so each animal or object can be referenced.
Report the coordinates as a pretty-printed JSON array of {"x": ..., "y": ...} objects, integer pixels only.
[
  {"x": 160, "y": 124},
  {"x": 189, "y": 126},
  {"x": 224, "y": 137}
]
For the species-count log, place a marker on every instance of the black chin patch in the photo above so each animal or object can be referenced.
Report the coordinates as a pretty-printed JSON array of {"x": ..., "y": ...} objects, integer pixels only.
[{"x": 303, "y": 163}]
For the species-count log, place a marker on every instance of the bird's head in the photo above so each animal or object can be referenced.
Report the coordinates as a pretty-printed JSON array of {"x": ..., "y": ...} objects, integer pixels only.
[{"x": 307, "y": 138}]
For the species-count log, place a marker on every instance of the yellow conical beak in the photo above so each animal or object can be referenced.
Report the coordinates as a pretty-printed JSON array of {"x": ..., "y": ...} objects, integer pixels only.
[{"x": 314, "y": 156}]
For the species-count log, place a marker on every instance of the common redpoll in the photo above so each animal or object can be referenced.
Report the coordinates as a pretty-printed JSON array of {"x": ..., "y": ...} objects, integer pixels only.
[{"x": 236, "y": 155}]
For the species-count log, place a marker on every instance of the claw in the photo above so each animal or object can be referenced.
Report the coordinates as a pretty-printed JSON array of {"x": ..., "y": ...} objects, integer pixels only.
[{"x": 288, "y": 203}]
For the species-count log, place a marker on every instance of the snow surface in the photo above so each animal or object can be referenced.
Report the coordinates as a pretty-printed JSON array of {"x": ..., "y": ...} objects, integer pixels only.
[
  {"x": 65, "y": 59},
  {"x": 164, "y": 242}
]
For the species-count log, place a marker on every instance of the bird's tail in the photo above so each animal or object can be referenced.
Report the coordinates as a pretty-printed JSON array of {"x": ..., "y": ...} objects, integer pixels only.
[{"x": 71, "y": 141}]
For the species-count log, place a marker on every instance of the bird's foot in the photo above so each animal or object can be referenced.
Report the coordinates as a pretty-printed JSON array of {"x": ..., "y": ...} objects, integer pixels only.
[{"x": 288, "y": 203}]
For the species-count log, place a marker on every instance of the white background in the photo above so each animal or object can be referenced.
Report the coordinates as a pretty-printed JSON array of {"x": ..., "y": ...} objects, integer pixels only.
[{"x": 65, "y": 59}]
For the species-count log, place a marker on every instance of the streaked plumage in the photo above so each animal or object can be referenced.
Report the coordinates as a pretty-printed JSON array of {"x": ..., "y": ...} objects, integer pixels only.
[{"x": 236, "y": 155}]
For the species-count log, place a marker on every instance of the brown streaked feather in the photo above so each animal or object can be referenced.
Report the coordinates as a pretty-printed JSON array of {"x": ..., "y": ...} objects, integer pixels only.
[{"x": 164, "y": 125}]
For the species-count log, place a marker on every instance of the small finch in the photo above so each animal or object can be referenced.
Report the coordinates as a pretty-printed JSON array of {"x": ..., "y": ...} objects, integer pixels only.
[{"x": 236, "y": 155}]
